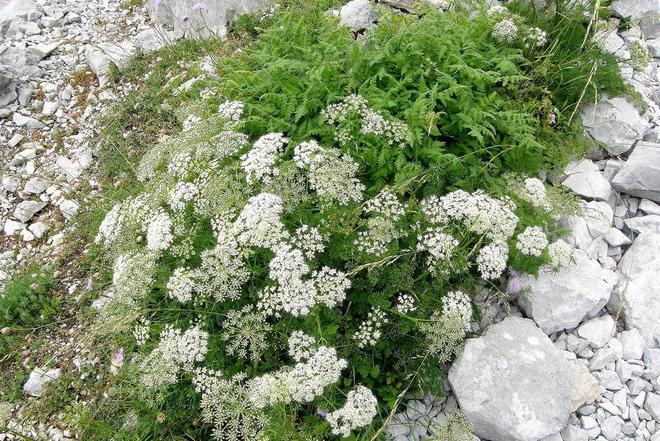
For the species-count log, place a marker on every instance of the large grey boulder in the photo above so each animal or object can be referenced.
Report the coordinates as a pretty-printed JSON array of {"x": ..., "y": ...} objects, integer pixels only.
[
  {"x": 6, "y": 78},
  {"x": 561, "y": 299},
  {"x": 101, "y": 57},
  {"x": 192, "y": 18},
  {"x": 38, "y": 380},
  {"x": 640, "y": 176},
  {"x": 17, "y": 9},
  {"x": 27, "y": 209},
  {"x": 585, "y": 179},
  {"x": 357, "y": 15},
  {"x": 513, "y": 384},
  {"x": 635, "y": 9},
  {"x": 615, "y": 122},
  {"x": 637, "y": 294}
]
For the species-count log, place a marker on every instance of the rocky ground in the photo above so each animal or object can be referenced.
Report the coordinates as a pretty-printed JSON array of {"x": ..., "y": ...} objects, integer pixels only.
[{"x": 572, "y": 355}]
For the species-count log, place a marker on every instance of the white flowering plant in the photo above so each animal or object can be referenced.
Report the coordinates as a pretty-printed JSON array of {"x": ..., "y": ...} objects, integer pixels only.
[{"x": 304, "y": 249}]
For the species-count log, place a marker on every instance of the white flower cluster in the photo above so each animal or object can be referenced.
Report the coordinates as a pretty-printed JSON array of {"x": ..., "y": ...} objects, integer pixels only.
[
  {"x": 132, "y": 276},
  {"x": 179, "y": 164},
  {"x": 224, "y": 144},
  {"x": 226, "y": 406},
  {"x": 405, "y": 304},
  {"x": 330, "y": 173},
  {"x": 498, "y": 10},
  {"x": 535, "y": 193},
  {"x": 560, "y": 253},
  {"x": 385, "y": 204},
  {"x": 535, "y": 38},
  {"x": 222, "y": 272},
  {"x": 181, "y": 194},
  {"x": 439, "y": 245},
  {"x": 176, "y": 351},
  {"x": 480, "y": 213},
  {"x": 339, "y": 112},
  {"x": 458, "y": 303},
  {"x": 379, "y": 234},
  {"x": 190, "y": 122},
  {"x": 358, "y": 411},
  {"x": 370, "y": 330},
  {"x": 245, "y": 333},
  {"x": 159, "y": 231},
  {"x": 491, "y": 260},
  {"x": 301, "y": 346},
  {"x": 258, "y": 224},
  {"x": 135, "y": 211},
  {"x": 532, "y": 241},
  {"x": 505, "y": 30},
  {"x": 371, "y": 121},
  {"x": 231, "y": 110},
  {"x": 259, "y": 162},
  {"x": 141, "y": 331},
  {"x": 300, "y": 383},
  {"x": 309, "y": 240},
  {"x": 181, "y": 285},
  {"x": 381, "y": 229}
]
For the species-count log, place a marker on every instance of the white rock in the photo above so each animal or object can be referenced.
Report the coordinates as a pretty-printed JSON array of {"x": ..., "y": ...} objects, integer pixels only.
[
  {"x": 615, "y": 122},
  {"x": 574, "y": 433},
  {"x": 213, "y": 19},
  {"x": 562, "y": 299},
  {"x": 357, "y": 14},
  {"x": 12, "y": 227},
  {"x": 644, "y": 224},
  {"x": 27, "y": 121},
  {"x": 616, "y": 238},
  {"x": 586, "y": 180},
  {"x": 26, "y": 209},
  {"x": 640, "y": 176},
  {"x": 649, "y": 207},
  {"x": 36, "y": 185},
  {"x": 69, "y": 208},
  {"x": 652, "y": 405},
  {"x": 635, "y": 9},
  {"x": 38, "y": 229},
  {"x": 633, "y": 344},
  {"x": 638, "y": 291},
  {"x": 597, "y": 331},
  {"x": 512, "y": 384},
  {"x": 38, "y": 379}
]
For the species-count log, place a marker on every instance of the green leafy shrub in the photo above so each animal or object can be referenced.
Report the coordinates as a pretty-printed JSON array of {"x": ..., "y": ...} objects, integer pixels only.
[{"x": 303, "y": 250}]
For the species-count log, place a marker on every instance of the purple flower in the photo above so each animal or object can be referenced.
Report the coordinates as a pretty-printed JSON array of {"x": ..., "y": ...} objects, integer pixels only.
[
  {"x": 513, "y": 272},
  {"x": 120, "y": 357},
  {"x": 199, "y": 6},
  {"x": 514, "y": 286},
  {"x": 157, "y": 3}
]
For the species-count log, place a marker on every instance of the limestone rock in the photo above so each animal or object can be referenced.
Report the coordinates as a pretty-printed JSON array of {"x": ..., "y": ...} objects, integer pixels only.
[
  {"x": 635, "y": 9},
  {"x": 615, "y": 122},
  {"x": 188, "y": 19},
  {"x": 357, "y": 15},
  {"x": 586, "y": 180},
  {"x": 26, "y": 209},
  {"x": 644, "y": 224},
  {"x": 640, "y": 176},
  {"x": 562, "y": 299},
  {"x": 38, "y": 380},
  {"x": 597, "y": 331},
  {"x": 638, "y": 290},
  {"x": 586, "y": 387},
  {"x": 513, "y": 384}
]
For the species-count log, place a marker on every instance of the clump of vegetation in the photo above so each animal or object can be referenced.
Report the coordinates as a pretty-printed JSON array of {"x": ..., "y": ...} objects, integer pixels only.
[{"x": 295, "y": 241}]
